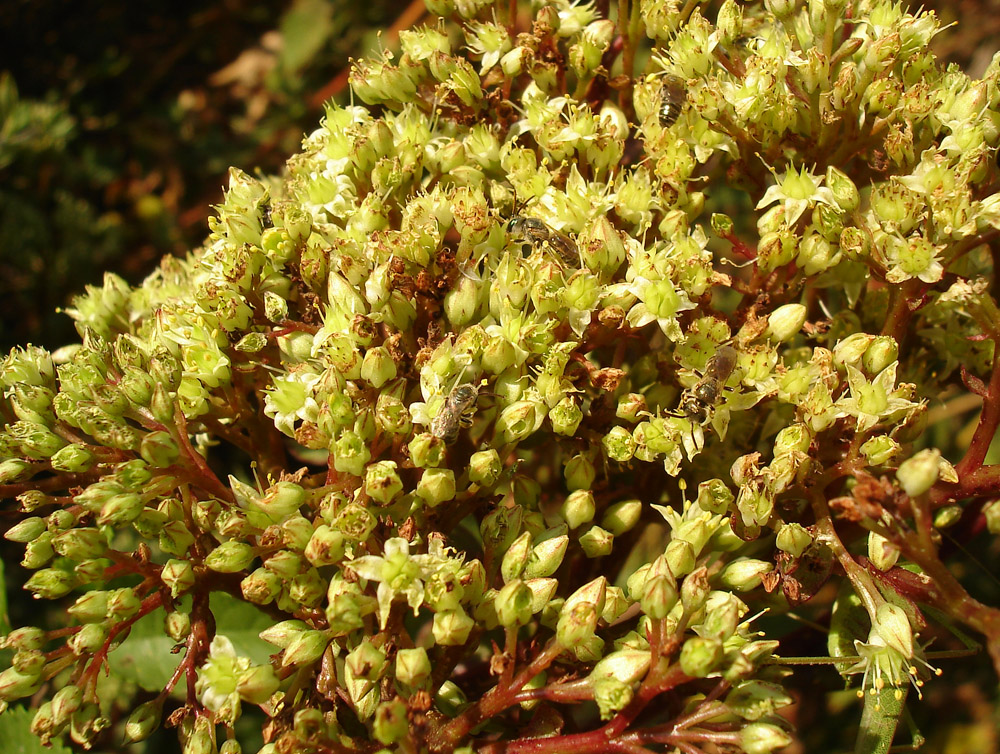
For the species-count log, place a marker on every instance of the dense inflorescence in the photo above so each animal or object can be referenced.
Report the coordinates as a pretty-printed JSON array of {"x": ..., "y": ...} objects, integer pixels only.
[{"x": 529, "y": 385}]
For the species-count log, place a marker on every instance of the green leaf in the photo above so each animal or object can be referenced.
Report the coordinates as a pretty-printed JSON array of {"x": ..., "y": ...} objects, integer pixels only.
[
  {"x": 16, "y": 735},
  {"x": 305, "y": 28},
  {"x": 145, "y": 657}
]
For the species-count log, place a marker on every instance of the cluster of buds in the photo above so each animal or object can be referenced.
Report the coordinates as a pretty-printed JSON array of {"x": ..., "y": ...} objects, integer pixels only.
[{"x": 467, "y": 357}]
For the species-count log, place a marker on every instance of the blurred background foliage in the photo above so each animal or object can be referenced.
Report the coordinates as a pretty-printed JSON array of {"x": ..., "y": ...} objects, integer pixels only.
[{"x": 118, "y": 123}]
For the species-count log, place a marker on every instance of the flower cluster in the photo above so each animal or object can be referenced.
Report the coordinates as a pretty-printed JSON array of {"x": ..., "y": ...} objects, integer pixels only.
[{"x": 492, "y": 407}]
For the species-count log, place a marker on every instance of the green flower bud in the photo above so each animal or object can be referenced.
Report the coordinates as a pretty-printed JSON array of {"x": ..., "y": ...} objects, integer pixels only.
[
  {"x": 304, "y": 648},
  {"x": 143, "y": 721},
  {"x": 695, "y": 590},
  {"x": 175, "y": 539},
  {"x": 282, "y": 500},
  {"x": 366, "y": 661},
  {"x": 261, "y": 586},
  {"x": 622, "y": 516},
  {"x": 546, "y": 557},
  {"x": 579, "y": 473},
  {"x": 88, "y": 639},
  {"x": 80, "y": 544},
  {"x": 744, "y": 574},
  {"x": 515, "y": 559},
  {"x": 158, "y": 449},
  {"x": 845, "y": 193},
  {"x": 413, "y": 667},
  {"x": 680, "y": 557},
  {"x": 178, "y": 575},
  {"x": 91, "y": 607},
  {"x": 14, "y": 685},
  {"x": 513, "y": 604},
  {"x": 28, "y": 661},
  {"x": 596, "y": 542},
  {"x": 123, "y": 603},
  {"x": 230, "y": 557},
  {"x": 177, "y": 625},
  {"x": 992, "y": 514},
  {"x": 256, "y": 684},
  {"x": 38, "y": 551},
  {"x": 65, "y": 702},
  {"x": 578, "y": 508},
  {"x": 659, "y": 595},
  {"x": 326, "y": 546},
  {"x": 785, "y": 322},
  {"x": 918, "y": 473},
  {"x": 793, "y": 539},
  {"x": 565, "y": 417},
  {"x": 120, "y": 510},
  {"x": 947, "y": 516},
  {"x": 436, "y": 486},
  {"x": 14, "y": 469},
  {"x": 577, "y": 623},
  {"x": 882, "y": 351},
  {"x": 27, "y": 637},
  {"x": 50, "y": 583},
  {"x": 485, "y": 467},
  {"x": 428, "y": 451},
  {"x": 763, "y": 738},
  {"x": 390, "y": 724},
  {"x": 378, "y": 368},
  {"x": 452, "y": 627},
  {"x": 518, "y": 421},
  {"x": 700, "y": 656},
  {"x": 73, "y": 458},
  {"x": 630, "y": 406},
  {"x": 882, "y": 553},
  {"x": 25, "y": 531}
]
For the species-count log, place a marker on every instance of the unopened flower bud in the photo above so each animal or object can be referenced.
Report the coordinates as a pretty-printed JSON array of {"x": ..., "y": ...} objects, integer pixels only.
[
  {"x": 413, "y": 666},
  {"x": 785, "y": 322},
  {"x": 436, "y": 486},
  {"x": 763, "y": 738},
  {"x": 485, "y": 467},
  {"x": 143, "y": 721},
  {"x": 793, "y": 538},
  {"x": 230, "y": 557},
  {"x": 744, "y": 574},
  {"x": 880, "y": 450},
  {"x": 578, "y": 508},
  {"x": 659, "y": 596},
  {"x": 513, "y": 604},
  {"x": 256, "y": 684},
  {"x": 304, "y": 648},
  {"x": 26, "y": 531},
  {"x": 177, "y": 626},
  {"x": 881, "y": 552},
  {"x": 50, "y": 583},
  {"x": 882, "y": 351},
  {"x": 452, "y": 627},
  {"x": 596, "y": 542},
  {"x": 579, "y": 473},
  {"x": 918, "y": 473}
]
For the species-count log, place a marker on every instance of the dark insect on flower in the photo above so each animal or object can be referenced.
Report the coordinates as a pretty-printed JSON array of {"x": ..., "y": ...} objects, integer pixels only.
[
  {"x": 265, "y": 216},
  {"x": 456, "y": 412},
  {"x": 697, "y": 401},
  {"x": 540, "y": 235},
  {"x": 673, "y": 96}
]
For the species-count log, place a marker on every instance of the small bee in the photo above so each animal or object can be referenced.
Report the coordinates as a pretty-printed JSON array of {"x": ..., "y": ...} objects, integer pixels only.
[
  {"x": 455, "y": 413},
  {"x": 697, "y": 401},
  {"x": 538, "y": 234},
  {"x": 673, "y": 96}
]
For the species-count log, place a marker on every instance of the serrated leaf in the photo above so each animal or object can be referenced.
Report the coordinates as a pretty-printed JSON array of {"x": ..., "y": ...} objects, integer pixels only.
[
  {"x": 16, "y": 735},
  {"x": 145, "y": 656}
]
